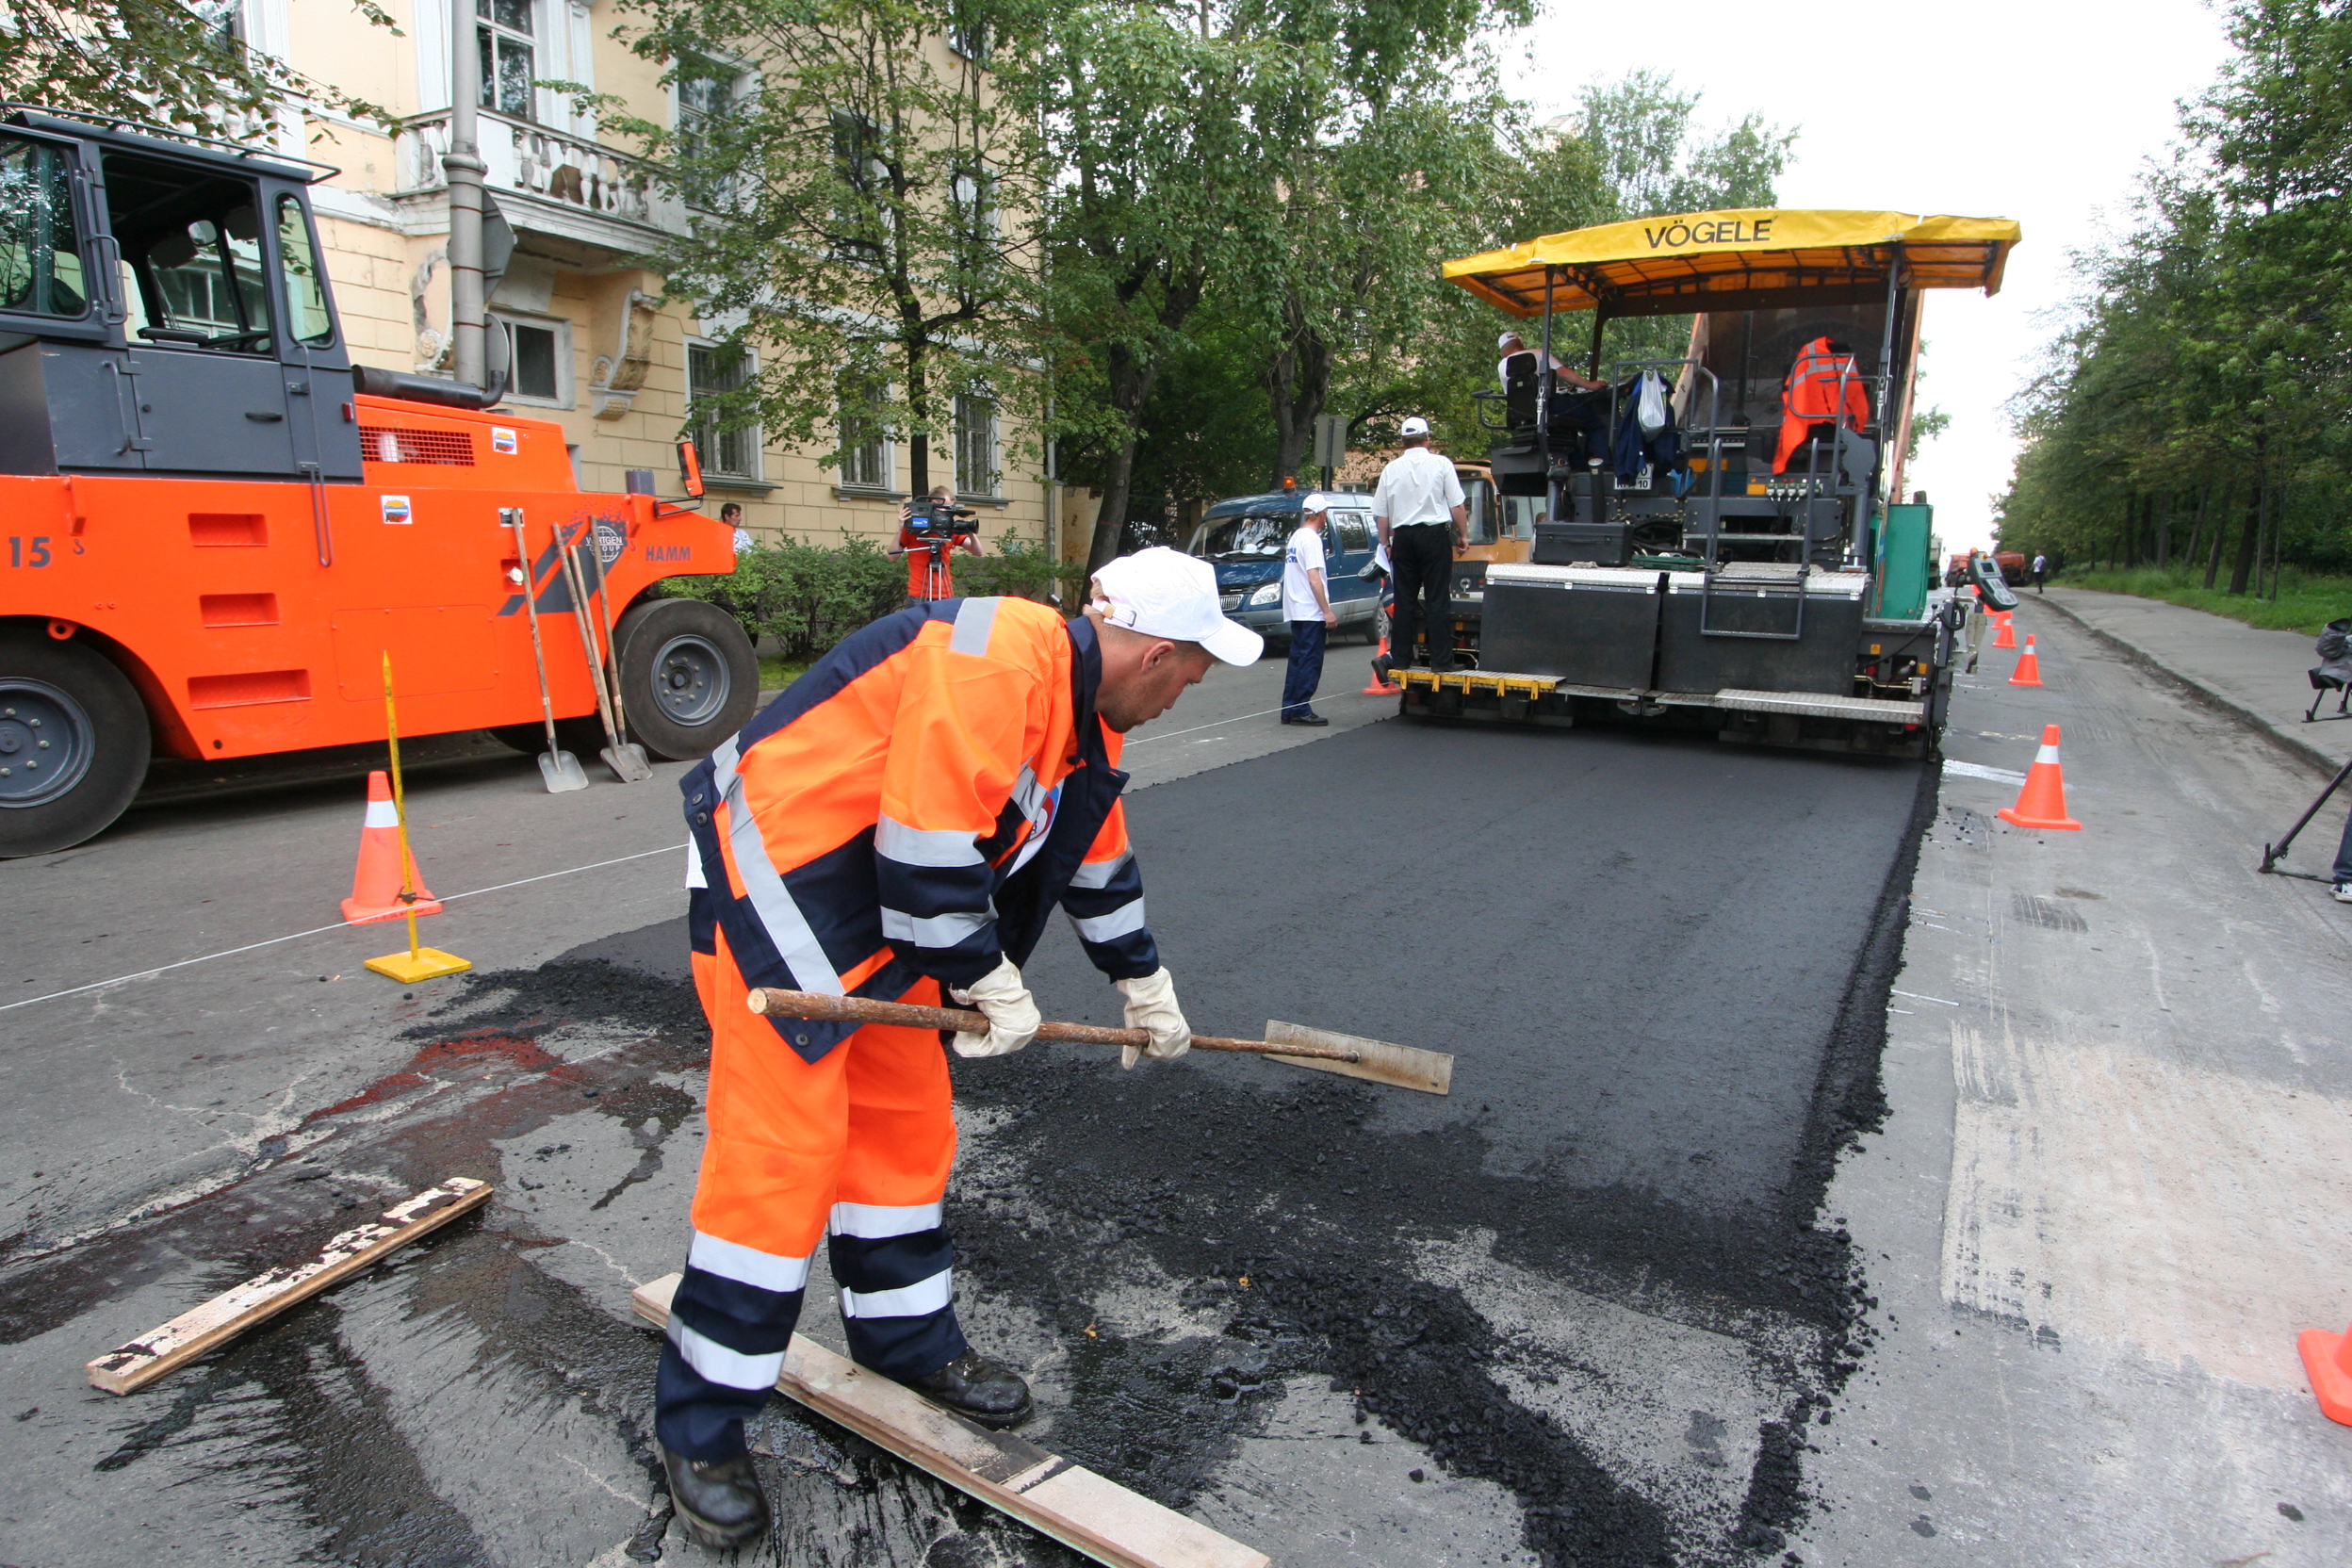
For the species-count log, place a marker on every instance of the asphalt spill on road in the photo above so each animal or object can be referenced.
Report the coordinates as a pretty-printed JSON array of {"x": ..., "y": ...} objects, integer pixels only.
[{"x": 1188, "y": 1260}]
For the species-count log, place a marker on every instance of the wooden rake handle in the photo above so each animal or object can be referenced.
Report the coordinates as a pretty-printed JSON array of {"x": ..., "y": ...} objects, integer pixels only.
[{"x": 769, "y": 1000}]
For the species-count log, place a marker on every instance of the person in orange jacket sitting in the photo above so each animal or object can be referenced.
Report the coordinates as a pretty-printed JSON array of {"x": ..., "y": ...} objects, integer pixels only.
[
  {"x": 1824, "y": 378},
  {"x": 901, "y": 822}
]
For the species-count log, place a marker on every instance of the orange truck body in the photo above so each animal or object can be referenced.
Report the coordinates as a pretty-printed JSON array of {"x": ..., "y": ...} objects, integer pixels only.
[{"x": 253, "y": 616}]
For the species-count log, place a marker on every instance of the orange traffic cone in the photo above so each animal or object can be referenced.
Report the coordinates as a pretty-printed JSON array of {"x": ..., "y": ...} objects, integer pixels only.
[
  {"x": 2043, "y": 801},
  {"x": 376, "y": 885},
  {"x": 2028, "y": 667},
  {"x": 2004, "y": 635},
  {"x": 2328, "y": 1361},
  {"x": 1380, "y": 688}
]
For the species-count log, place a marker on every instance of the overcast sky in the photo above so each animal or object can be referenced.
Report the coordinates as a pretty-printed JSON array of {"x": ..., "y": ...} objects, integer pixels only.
[{"x": 2040, "y": 110}]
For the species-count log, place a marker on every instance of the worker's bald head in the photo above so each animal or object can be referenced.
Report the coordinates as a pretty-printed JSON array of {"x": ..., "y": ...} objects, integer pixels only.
[{"x": 1142, "y": 675}]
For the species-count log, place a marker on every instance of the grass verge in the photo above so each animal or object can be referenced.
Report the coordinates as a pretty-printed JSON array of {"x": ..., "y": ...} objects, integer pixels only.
[
  {"x": 2307, "y": 600},
  {"x": 776, "y": 670}
]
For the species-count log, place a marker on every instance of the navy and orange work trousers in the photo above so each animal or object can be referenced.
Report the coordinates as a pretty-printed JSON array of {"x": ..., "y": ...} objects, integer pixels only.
[{"x": 855, "y": 1147}]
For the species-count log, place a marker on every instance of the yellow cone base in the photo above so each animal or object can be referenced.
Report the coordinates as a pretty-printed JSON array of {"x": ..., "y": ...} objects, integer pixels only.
[{"x": 426, "y": 963}]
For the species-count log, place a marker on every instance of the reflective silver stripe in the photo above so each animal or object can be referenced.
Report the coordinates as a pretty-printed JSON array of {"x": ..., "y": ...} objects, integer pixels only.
[
  {"x": 873, "y": 1221},
  {"x": 1119, "y": 922},
  {"x": 974, "y": 622},
  {"x": 732, "y": 1260},
  {"x": 933, "y": 930},
  {"x": 1098, "y": 873},
  {"x": 694, "y": 865},
  {"x": 914, "y": 1300},
  {"x": 786, "y": 927},
  {"x": 1029, "y": 848},
  {"x": 924, "y": 846},
  {"x": 722, "y": 1365}
]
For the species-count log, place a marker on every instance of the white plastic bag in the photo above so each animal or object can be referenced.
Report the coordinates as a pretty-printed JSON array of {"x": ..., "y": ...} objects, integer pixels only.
[{"x": 1650, "y": 403}]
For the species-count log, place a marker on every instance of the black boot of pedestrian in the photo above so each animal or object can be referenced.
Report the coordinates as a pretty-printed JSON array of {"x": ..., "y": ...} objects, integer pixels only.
[
  {"x": 721, "y": 1501},
  {"x": 977, "y": 1388}
]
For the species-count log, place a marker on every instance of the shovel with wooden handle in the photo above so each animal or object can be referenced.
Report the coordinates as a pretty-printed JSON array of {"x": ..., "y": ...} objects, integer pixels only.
[
  {"x": 628, "y": 763},
  {"x": 1431, "y": 1072},
  {"x": 558, "y": 767}
]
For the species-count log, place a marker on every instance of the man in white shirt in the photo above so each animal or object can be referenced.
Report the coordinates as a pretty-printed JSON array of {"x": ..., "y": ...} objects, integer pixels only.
[
  {"x": 1420, "y": 509},
  {"x": 2041, "y": 569},
  {"x": 1307, "y": 606}
]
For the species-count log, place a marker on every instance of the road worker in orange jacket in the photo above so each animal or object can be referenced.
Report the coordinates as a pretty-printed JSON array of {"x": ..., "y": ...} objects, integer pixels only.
[
  {"x": 901, "y": 822},
  {"x": 1822, "y": 384}
]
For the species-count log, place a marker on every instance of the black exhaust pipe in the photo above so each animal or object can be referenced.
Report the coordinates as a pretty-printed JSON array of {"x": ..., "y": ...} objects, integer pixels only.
[{"x": 429, "y": 389}]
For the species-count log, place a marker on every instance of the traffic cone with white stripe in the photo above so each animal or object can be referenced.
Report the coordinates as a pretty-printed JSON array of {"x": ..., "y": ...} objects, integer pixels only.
[
  {"x": 376, "y": 884},
  {"x": 2029, "y": 666},
  {"x": 2328, "y": 1361},
  {"x": 2043, "y": 801},
  {"x": 2004, "y": 635}
]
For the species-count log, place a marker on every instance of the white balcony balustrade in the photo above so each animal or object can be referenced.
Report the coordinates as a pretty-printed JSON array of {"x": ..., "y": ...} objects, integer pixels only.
[{"x": 565, "y": 172}]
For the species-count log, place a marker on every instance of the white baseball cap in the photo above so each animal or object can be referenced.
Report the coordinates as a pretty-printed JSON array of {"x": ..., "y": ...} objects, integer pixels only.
[
  {"x": 1415, "y": 426},
  {"x": 1315, "y": 500},
  {"x": 1507, "y": 341},
  {"x": 1165, "y": 593}
]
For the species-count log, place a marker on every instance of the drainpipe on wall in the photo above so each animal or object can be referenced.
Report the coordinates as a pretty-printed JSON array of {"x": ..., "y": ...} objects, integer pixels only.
[{"x": 465, "y": 168}]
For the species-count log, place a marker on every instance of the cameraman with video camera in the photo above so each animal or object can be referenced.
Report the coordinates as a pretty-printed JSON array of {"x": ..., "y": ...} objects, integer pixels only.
[{"x": 928, "y": 532}]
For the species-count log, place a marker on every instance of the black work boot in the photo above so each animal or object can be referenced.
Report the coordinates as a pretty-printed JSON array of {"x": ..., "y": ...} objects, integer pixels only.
[
  {"x": 720, "y": 1500},
  {"x": 978, "y": 1389}
]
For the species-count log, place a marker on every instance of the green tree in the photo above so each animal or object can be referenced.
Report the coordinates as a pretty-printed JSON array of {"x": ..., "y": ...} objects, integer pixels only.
[
  {"x": 169, "y": 62},
  {"x": 862, "y": 198}
]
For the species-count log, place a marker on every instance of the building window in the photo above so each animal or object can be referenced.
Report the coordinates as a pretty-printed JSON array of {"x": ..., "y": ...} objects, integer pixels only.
[
  {"x": 973, "y": 193},
  {"x": 542, "y": 359},
  {"x": 714, "y": 371},
  {"x": 224, "y": 22},
  {"x": 504, "y": 33},
  {"x": 865, "y": 444},
  {"x": 968, "y": 35},
  {"x": 860, "y": 217},
  {"x": 707, "y": 92},
  {"x": 975, "y": 445}
]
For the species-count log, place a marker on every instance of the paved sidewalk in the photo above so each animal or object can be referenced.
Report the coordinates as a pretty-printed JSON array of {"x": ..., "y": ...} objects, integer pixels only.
[
  {"x": 2259, "y": 674},
  {"x": 2112, "y": 1183}
]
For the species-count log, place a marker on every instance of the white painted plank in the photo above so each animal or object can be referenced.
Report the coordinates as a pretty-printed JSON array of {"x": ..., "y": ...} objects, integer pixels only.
[{"x": 1067, "y": 1501}]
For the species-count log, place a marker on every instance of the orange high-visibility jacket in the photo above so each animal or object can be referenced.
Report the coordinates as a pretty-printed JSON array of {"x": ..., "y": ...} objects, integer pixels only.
[
  {"x": 917, "y": 805},
  {"x": 1809, "y": 396}
]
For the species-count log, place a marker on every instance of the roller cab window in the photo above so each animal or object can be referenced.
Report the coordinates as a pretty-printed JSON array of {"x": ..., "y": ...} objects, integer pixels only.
[
  {"x": 193, "y": 247},
  {"x": 41, "y": 254}
]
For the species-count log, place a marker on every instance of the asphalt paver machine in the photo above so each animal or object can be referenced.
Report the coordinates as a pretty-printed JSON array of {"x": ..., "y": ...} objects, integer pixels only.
[
  {"x": 217, "y": 527},
  {"x": 1719, "y": 544}
]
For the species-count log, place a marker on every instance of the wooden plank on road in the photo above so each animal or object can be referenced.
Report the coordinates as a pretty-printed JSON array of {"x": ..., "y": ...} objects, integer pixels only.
[
  {"x": 130, "y": 1368},
  {"x": 1049, "y": 1493}
]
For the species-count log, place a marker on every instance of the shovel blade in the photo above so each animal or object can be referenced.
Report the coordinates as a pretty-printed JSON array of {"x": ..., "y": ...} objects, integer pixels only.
[
  {"x": 1431, "y": 1072},
  {"x": 627, "y": 763},
  {"x": 560, "y": 768}
]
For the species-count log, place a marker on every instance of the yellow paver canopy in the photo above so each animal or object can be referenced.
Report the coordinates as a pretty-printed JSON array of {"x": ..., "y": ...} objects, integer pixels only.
[{"x": 1753, "y": 259}]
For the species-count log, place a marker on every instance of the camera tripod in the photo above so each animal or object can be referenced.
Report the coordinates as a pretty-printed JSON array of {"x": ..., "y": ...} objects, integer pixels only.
[{"x": 2273, "y": 853}]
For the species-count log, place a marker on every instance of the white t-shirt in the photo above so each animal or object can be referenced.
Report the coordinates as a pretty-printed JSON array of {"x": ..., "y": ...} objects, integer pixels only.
[
  {"x": 1417, "y": 486},
  {"x": 1303, "y": 554}
]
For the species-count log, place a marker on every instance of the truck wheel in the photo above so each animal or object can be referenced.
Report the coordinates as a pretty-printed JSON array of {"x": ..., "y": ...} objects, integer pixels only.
[
  {"x": 74, "y": 742},
  {"x": 1375, "y": 628},
  {"x": 687, "y": 677}
]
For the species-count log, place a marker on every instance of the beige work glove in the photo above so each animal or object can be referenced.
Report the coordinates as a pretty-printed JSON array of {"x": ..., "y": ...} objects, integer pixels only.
[
  {"x": 1151, "y": 1005},
  {"x": 1012, "y": 1013}
]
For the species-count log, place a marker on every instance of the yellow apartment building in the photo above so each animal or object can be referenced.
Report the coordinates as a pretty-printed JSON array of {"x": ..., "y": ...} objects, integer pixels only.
[{"x": 594, "y": 346}]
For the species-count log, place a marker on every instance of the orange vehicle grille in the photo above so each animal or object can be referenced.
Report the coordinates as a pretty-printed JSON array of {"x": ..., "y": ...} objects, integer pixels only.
[{"x": 450, "y": 449}]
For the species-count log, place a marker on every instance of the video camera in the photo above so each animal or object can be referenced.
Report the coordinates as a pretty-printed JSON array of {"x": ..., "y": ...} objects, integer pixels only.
[{"x": 930, "y": 519}]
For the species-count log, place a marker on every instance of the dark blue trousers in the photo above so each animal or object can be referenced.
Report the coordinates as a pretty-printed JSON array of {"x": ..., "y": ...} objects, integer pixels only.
[
  {"x": 1306, "y": 668},
  {"x": 2344, "y": 853}
]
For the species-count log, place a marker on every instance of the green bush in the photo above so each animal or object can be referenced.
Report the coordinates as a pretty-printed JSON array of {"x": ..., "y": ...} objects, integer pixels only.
[
  {"x": 801, "y": 599},
  {"x": 2307, "y": 601}
]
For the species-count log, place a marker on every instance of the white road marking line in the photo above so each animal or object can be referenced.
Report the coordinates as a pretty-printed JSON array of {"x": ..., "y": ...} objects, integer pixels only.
[
  {"x": 1955, "y": 768},
  {"x": 316, "y": 930},
  {"x": 1916, "y": 997}
]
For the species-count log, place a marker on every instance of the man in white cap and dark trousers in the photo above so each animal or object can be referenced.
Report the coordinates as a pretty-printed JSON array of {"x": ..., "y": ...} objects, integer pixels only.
[
  {"x": 1307, "y": 606},
  {"x": 1420, "y": 509},
  {"x": 901, "y": 825}
]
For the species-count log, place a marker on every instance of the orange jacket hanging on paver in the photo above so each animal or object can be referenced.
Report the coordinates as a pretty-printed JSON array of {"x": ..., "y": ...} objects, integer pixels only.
[{"x": 1809, "y": 396}]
